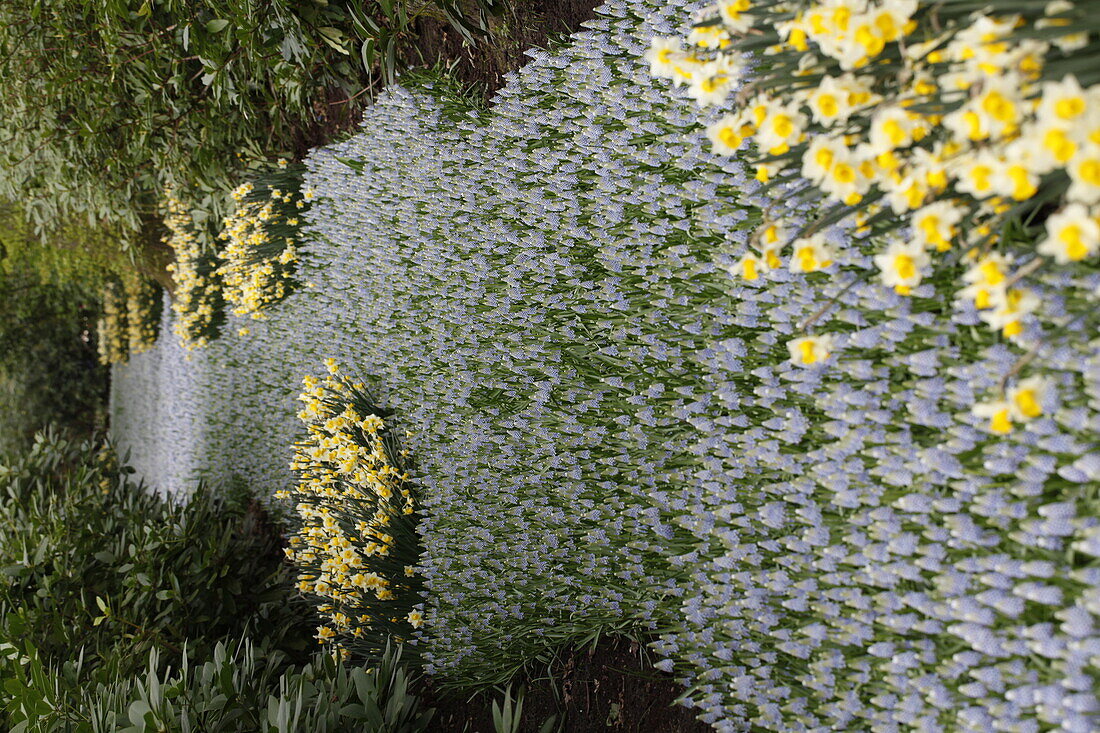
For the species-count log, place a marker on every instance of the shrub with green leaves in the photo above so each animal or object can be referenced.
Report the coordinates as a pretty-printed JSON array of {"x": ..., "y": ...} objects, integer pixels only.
[
  {"x": 241, "y": 686},
  {"x": 48, "y": 365},
  {"x": 73, "y": 253},
  {"x": 93, "y": 566},
  {"x": 106, "y": 99},
  {"x": 122, "y": 611}
]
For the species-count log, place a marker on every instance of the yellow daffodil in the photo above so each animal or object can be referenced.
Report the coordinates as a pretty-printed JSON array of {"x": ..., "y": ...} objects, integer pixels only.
[{"x": 809, "y": 350}]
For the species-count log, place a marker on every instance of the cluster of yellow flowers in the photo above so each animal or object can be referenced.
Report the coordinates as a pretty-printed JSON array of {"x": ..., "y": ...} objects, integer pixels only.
[
  {"x": 256, "y": 267},
  {"x": 143, "y": 303},
  {"x": 131, "y": 316},
  {"x": 107, "y": 465},
  {"x": 259, "y": 259},
  {"x": 928, "y": 126},
  {"x": 357, "y": 546},
  {"x": 197, "y": 300},
  {"x": 113, "y": 335}
]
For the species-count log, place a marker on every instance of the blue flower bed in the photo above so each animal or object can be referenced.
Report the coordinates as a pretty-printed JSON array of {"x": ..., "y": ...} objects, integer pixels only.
[{"x": 610, "y": 433}]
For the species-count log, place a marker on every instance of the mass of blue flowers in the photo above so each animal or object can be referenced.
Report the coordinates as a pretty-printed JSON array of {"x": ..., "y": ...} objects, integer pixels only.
[{"x": 610, "y": 434}]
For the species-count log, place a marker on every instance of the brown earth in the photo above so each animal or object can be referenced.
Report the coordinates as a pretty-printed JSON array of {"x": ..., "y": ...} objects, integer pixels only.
[
  {"x": 611, "y": 687},
  {"x": 525, "y": 24},
  {"x": 481, "y": 68}
]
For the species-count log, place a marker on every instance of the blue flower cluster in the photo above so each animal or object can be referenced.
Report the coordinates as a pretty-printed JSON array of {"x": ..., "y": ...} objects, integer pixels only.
[
  {"x": 159, "y": 411},
  {"x": 610, "y": 433}
]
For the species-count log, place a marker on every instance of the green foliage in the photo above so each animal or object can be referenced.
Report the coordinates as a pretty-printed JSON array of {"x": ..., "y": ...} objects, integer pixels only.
[
  {"x": 94, "y": 567},
  {"x": 121, "y": 611},
  {"x": 470, "y": 25},
  {"x": 508, "y": 713},
  {"x": 106, "y": 101},
  {"x": 457, "y": 100},
  {"x": 385, "y": 27},
  {"x": 75, "y": 253},
  {"x": 48, "y": 365},
  {"x": 242, "y": 687}
]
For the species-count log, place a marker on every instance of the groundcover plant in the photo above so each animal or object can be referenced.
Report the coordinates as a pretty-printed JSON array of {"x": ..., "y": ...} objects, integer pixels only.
[
  {"x": 157, "y": 411},
  {"x": 613, "y": 431}
]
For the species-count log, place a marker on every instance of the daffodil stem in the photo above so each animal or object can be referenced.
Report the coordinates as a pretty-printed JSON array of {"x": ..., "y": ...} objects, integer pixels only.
[
  {"x": 1022, "y": 362},
  {"x": 1024, "y": 271},
  {"x": 828, "y": 304},
  {"x": 1027, "y": 358}
]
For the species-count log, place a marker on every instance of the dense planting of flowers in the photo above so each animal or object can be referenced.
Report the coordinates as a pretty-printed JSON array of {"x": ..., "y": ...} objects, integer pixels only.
[
  {"x": 356, "y": 546},
  {"x": 160, "y": 412},
  {"x": 259, "y": 255},
  {"x": 113, "y": 333},
  {"x": 961, "y": 140},
  {"x": 253, "y": 266},
  {"x": 782, "y": 477},
  {"x": 144, "y": 299},
  {"x": 198, "y": 301},
  {"x": 130, "y": 319}
]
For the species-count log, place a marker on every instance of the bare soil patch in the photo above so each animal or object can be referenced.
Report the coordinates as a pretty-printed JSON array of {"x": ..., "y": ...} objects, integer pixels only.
[{"x": 608, "y": 688}]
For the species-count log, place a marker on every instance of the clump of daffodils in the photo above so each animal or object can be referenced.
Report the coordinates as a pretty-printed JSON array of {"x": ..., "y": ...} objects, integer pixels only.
[
  {"x": 356, "y": 547},
  {"x": 143, "y": 305},
  {"x": 130, "y": 318},
  {"x": 113, "y": 334},
  {"x": 260, "y": 255},
  {"x": 943, "y": 132},
  {"x": 198, "y": 302}
]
